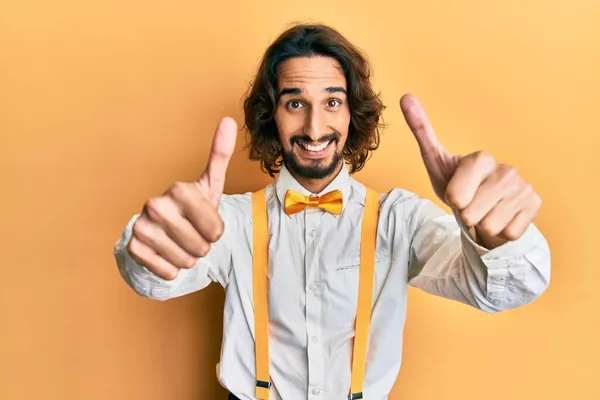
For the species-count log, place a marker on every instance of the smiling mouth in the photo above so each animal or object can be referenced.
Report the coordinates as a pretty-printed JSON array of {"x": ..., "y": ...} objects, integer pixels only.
[{"x": 314, "y": 148}]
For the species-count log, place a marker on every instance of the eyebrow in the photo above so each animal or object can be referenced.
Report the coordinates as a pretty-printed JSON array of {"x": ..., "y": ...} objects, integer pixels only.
[{"x": 330, "y": 89}]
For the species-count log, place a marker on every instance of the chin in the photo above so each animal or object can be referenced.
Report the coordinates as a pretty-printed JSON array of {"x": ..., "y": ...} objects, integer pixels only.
[{"x": 312, "y": 169}]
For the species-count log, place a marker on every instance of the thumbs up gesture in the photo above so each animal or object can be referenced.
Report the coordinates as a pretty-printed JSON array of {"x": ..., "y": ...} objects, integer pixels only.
[
  {"x": 489, "y": 196},
  {"x": 179, "y": 226}
]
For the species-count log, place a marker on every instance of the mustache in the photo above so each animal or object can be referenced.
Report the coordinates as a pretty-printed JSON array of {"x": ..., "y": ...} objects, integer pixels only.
[{"x": 334, "y": 136}]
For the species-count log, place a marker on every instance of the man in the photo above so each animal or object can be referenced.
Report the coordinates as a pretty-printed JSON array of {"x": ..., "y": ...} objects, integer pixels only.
[{"x": 312, "y": 120}]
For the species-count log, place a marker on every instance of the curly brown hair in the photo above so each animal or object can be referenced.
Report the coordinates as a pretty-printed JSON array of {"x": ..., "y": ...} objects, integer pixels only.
[{"x": 366, "y": 107}]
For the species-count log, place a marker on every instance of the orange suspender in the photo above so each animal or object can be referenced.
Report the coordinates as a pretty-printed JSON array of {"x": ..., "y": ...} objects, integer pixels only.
[
  {"x": 365, "y": 293},
  {"x": 260, "y": 247}
]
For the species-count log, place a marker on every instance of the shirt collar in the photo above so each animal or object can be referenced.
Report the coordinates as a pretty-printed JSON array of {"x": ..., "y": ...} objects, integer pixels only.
[{"x": 285, "y": 181}]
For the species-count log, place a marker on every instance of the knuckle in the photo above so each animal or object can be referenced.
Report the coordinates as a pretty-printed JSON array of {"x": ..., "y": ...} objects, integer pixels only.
[
  {"x": 484, "y": 156},
  {"x": 468, "y": 218},
  {"x": 136, "y": 251},
  {"x": 142, "y": 229},
  {"x": 136, "y": 225},
  {"x": 509, "y": 170},
  {"x": 133, "y": 247},
  {"x": 180, "y": 191},
  {"x": 456, "y": 198},
  {"x": 537, "y": 200},
  {"x": 530, "y": 192},
  {"x": 512, "y": 232},
  {"x": 506, "y": 174},
  {"x": 155, "y": 208},
  {"x": 217, "y": 231},
  {"x": 489, "y": 227}
]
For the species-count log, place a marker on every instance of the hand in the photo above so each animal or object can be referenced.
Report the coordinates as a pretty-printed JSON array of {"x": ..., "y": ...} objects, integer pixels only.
[
  {"x": 176, "y": 228},
  {"x": 488, "y": 196}
]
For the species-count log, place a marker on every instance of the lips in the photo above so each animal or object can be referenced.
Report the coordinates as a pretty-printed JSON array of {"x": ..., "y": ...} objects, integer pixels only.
[{"x": 314, "y": 148}]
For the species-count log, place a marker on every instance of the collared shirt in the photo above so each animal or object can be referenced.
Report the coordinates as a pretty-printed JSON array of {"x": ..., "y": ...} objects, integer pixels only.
[{"x": 313, "y": 281}]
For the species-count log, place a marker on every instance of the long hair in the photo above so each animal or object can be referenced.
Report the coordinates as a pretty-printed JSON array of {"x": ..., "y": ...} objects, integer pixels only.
[{"x": 260, "y": 103}]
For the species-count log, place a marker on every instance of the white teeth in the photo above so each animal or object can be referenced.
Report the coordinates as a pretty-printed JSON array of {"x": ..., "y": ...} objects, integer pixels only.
[{"x": 315, "y": 148}]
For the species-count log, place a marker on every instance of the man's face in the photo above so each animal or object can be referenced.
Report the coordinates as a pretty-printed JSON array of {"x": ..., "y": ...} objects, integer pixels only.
[{"x": 312, "y": 115}]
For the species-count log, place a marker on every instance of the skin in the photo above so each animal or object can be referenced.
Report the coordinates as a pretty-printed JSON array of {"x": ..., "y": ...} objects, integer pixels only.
[
  {"x": 312, "y": 109},
  {"x": 490, "y": 197},
  {"x": 179, "y": 226}
]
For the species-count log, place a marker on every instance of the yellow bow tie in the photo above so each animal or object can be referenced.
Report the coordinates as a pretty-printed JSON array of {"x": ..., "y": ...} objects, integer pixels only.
[{"x": 331, "y": 202}]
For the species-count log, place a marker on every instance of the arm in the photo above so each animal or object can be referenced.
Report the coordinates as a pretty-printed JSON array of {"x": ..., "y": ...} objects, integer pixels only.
[
  {"x": 445, "y": 261},
  {"x": 182, "y": 239},
  {"x": 494, "y": 198}
]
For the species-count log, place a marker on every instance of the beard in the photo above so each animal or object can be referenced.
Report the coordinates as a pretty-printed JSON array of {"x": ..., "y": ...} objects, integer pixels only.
[{"x": 314, "y": 169}]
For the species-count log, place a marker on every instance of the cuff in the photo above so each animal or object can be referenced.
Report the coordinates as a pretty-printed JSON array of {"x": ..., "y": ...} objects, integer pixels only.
[
  {"x": 508, "y": 262},
  {"x": 137, "y": 276}
]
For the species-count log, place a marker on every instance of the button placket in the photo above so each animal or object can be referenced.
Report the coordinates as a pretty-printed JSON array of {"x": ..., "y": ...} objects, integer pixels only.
[
  {"x": 314, "y": 287},
  {"x": 316, "y": 370}
]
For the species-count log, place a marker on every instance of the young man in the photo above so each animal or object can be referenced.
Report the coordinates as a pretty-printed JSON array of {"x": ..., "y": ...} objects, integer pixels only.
[{"x": 312, "y": 120}]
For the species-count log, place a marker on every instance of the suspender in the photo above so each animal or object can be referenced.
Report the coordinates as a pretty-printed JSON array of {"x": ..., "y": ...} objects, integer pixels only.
[
  {"x": 368, "y": 240},
  {"x": 260, "y": 288},
  {"x": 260, "y": 246}
]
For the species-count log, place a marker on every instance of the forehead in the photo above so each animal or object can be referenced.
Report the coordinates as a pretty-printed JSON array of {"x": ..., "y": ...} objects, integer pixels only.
[{"x": 307, "y": 72}]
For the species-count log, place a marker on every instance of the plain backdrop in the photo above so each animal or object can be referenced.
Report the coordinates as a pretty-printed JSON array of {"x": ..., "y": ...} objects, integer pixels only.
[{"x": 104, "y": 104}]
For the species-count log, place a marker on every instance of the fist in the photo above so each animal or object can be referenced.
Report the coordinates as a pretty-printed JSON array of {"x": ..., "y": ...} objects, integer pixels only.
[
  {"x": 179, "y": 226},
  {"x": 488, "y": 196}
]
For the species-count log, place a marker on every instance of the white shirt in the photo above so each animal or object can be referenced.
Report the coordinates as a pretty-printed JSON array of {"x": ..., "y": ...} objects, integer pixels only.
[{"x": 313, "y": 280}]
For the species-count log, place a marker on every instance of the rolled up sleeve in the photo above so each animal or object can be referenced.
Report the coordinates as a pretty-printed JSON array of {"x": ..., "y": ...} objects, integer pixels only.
[
  {"x": 447, "y": 262},
  {"x": 214, "y": 267}
]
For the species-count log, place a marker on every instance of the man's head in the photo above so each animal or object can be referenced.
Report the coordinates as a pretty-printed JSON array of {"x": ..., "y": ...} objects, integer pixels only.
[{"x": 311, "y": 105}]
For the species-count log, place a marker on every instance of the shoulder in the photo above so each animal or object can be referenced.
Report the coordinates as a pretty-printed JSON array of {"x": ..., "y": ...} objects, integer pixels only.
[
  {"x": 406, "y": 209},
  {"x": 239, "y": 205},
  {"x": 235, "y": 210},
  {"x": 398, "y": 199},
  {"x": 235, "y": 202},
  {"x": 394, "y": 198},
  {"x": 400, "y": 203}
]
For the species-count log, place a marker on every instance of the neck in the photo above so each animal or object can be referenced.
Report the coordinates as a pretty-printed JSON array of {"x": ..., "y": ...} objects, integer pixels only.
[{"x": 317, "y": 185}]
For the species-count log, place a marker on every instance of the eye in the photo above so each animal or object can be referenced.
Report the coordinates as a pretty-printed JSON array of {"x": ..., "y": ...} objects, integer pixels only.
[
  {"x": 333, "y": 103},
  {"x": 294, "y": 104}
]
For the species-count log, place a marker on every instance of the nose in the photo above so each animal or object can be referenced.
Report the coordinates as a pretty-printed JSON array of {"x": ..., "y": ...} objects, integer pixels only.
[{"x": 316, "y": 124}]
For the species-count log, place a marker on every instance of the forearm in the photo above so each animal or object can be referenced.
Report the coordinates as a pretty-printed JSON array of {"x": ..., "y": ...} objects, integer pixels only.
[{"x": 447, "y": 262}]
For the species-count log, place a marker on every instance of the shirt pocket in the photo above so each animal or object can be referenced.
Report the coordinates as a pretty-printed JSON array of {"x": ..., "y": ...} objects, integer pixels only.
[
  {"x": 353, "y": 262},
  {"x": 343, "y": 288}
]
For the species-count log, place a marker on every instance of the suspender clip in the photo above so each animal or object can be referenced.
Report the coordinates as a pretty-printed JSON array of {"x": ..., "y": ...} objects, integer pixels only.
[{"x": 263, "y": 384}]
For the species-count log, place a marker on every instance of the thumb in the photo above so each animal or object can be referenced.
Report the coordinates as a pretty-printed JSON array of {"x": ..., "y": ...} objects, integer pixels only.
[
  {"x": 221, "y": 151},
  {"x": 431, "y": 149}
]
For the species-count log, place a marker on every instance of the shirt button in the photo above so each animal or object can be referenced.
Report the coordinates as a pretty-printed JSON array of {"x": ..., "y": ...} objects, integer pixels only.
[
  {"x": 316, "y": 392},
  {"x": 498, "y": 278},
  {"x": 313, "y": 286},
  {"x": 315, "y": 339},
  {"x": 312, "y": 233}
]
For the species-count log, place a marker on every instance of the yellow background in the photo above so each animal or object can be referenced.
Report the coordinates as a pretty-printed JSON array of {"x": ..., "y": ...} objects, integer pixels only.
[{"x": 105, "y": 104}]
